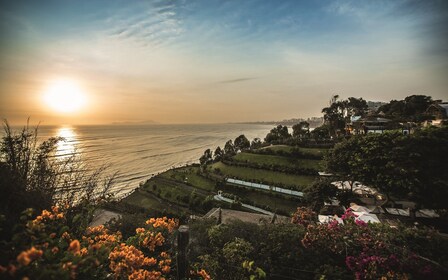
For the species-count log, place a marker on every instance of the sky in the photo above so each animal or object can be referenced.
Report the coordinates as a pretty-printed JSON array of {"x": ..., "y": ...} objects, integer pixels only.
[{"x": 215, "y": 61}]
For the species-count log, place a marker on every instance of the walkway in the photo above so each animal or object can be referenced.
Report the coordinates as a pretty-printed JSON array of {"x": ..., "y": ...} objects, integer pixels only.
[
  {"x": 228, "y": 200},
  {"x": 264, "y": 187}
]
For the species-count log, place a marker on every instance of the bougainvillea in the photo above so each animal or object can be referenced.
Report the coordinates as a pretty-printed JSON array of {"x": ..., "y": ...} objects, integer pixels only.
[{"x": 370, "y": 251}]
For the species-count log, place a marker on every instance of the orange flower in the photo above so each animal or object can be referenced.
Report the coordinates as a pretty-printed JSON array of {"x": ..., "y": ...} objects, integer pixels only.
[
  {"x": 164, "y": 222},
  {"x": 55, "y": 209},
  {"x": 66, "y": 235},
  {"x": 26, "y": 257},
  {"x": 74, "y": 247},
  {"x": 204, "y": 274}
]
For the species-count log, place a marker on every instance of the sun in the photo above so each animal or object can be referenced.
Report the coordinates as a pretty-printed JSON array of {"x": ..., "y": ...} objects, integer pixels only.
[{"x": 64, "y": 96}]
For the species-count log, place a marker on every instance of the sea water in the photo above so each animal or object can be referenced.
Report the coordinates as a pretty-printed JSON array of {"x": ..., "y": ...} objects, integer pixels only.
[{"x": 138, "y": 152}]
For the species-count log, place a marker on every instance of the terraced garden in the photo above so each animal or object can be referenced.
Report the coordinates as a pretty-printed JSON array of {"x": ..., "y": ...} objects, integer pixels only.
[{"x": 190, "y": 189}]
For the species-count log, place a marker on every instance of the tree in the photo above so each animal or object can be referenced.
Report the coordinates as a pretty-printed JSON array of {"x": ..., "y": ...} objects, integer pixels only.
[
  {"x": 339, "y": 113},
  {"x": 412, "y": 108},
  {"x": 333, "y": 115},
  {"x": 241, "y": 143},
  {"x": 229, "y": 149},
  {"x": 355, "y": 107},
  {"x": 301, "y": 129},
  {"x": 256, "y": 144},
  {"x": 32, "y": 174},
  {"x": 206, "y": 158},
  {"x": 319, "y": 192},
  {"x": 320, "y": 133},
  {"x": 403, "y": 166},
  {"x": 277, "y": 135},
  {"x": 218, "y": 154}
]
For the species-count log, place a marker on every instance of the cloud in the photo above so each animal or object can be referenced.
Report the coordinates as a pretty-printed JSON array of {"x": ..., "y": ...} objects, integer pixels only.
[
  {"x": 239, "y": 80},
  {"x": 149, "y": 24}
]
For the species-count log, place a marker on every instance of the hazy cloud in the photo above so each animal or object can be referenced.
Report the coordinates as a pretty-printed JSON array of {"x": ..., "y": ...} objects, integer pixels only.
[{"x": 239, "y": 80}]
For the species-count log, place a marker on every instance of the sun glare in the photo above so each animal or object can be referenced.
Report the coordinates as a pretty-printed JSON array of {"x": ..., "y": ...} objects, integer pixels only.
[{"x": 64, "y": 96}]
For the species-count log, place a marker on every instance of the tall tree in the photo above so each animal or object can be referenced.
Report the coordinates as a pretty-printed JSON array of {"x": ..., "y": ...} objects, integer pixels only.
[
  {"x": 412, "y": 108},
  {"x": 241, "y": 143},
  {"x": 355, "y": 107},
  {"x": 333, "y": 115},
  {"x": 218, "y": 154},
  {"x": 300, "y": 129},
  {"x": 256, "y": 144},
  {"x": 206, "y": 158},
  {"x": 277, "y": 135},
  {"x": 229, "y": 149}
]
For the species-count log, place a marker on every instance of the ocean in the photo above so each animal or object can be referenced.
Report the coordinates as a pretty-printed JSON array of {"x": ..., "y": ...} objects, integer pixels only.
[{"x": 138, "y": 152}]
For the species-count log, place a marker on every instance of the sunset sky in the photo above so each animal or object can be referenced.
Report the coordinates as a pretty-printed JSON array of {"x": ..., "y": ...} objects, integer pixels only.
[{"x": 212, "y": 60}]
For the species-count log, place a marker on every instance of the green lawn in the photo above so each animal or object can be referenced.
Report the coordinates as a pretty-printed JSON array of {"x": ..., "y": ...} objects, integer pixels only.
[
  {"x": 288, "y": 149},
  {"x": 270, "y": 177},
  {"x": 171, "y": 190},
  {"x": 260, "y": 198},
  {"x": 143, "y": 199},
  {"x": 278, "y": 160},
  {"x": 189, "y": 175}
]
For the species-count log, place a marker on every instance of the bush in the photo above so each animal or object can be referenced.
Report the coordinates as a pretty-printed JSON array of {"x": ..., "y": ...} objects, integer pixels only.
[{"x": 52, "y": 246}]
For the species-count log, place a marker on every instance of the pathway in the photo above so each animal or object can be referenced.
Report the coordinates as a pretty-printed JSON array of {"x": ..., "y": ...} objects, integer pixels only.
[
  {"x": 228, "y": 200},
  {"x": 264, "y": 187}
]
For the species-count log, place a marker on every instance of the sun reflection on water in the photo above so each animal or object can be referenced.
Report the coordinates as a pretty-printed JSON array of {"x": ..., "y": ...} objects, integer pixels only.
[{"x": 67, "y": 147}]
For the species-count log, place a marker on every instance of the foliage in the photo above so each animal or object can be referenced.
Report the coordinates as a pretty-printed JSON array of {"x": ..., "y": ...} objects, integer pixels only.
[
  {"x": 229, "y": 149},
  {"x": 412, "y": 108},
  {"x": 256, "y": 144},
  {"x": 218, "y": 154},
  {"x": 241, "y": 143},
  {"x": 409, "y": 166},
  {"x": 301, "y": 129},
  {"x": 372, "y": 251},
  {"x": 319, "y": 192},
  {"x": 319, "y": 251},
  {"x": 206, "y": 158},
  {"x": 255, "y": 272},
  {"x": 277, "y": 135},
  {"x": 320, "y": 133},
  {"x": 33, "y": 176},
  {"x": 338, "y": 114},
  {"x": 49, "y": 247},
  {"x": 304, "y": 216}
]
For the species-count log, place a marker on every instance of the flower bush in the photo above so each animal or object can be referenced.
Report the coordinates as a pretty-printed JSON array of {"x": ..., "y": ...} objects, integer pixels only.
[
  {"x": 47, "y": 248},
  {"x": 375, "y": 251}
]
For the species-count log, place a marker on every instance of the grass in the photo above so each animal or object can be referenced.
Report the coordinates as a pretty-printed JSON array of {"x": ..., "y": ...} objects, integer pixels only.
[
  {"x": 143, "y": 199},
  {"x": 170, "y": 190},
  {"x": 289, "y": 149},
  {"x": 278, "y": 160},
  {"x": 270, "y": 177},
  {"x": 189, "y": 175},
  {"x": 278, "y": 202}
]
